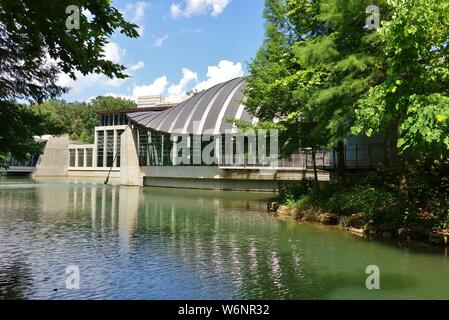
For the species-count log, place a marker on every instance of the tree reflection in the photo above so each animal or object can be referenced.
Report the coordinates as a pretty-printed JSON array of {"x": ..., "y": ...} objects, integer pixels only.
[{"x": 15, "y": 280}]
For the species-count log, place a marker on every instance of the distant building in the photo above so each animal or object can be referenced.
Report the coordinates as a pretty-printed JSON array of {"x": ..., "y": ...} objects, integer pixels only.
[{"x": 158, "y": 100}]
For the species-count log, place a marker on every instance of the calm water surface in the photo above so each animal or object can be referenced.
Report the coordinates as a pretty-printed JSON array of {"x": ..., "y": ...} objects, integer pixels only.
[{"x": 155, "y": 243}]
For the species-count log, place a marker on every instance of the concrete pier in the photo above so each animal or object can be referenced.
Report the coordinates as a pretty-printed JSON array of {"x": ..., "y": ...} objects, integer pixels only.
[{"x": 54, "y": 162}]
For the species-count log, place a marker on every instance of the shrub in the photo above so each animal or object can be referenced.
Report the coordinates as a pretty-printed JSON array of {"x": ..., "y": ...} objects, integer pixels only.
[
  {"x": 372, "y": 204},
  {"x": 295, "y": 191},
  {"x": 304, "y": 202}
]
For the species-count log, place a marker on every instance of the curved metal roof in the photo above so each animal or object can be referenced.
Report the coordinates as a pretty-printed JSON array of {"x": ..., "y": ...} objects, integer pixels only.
[{"x": 203, "y": 113}]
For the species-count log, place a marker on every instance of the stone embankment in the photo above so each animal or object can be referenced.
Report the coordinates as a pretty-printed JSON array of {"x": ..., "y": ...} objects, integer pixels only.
[{"x": 355, "y": 224}]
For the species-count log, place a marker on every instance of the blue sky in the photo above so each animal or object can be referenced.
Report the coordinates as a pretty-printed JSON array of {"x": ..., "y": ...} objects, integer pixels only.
[{"x": 184, "y": 45}]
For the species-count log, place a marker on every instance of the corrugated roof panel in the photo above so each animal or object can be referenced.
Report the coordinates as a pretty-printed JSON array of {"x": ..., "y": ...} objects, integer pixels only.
[{"x": 209, "y": 110}]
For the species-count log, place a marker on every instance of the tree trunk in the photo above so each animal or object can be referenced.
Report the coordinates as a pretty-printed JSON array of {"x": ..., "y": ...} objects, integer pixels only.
[
  {"x": 387, "y": 149},
  {"x": 401, "y": 161},
  {"x": 315, "y": 172},
  {"x": 341, "y": 174}
]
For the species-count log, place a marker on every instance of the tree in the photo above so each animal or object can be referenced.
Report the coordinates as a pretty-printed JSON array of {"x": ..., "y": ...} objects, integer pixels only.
[
  {"x": 79, "y": 119},
  {"x": 36, "y": 45},
  {"x": 316, "y": 62},
  {"x": 413, "y": 98},
  {"x": 341, "y": 64},
  {"x": 16, "y": 140}
]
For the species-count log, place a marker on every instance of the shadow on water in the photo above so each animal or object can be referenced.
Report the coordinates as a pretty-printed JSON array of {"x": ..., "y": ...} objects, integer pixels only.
[{"x": 15, "y": 280}]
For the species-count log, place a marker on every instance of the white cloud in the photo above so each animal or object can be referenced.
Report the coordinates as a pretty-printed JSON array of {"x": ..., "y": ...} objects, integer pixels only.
[
  {"x": 123, "y": 96},
  {"x": 180, "y": 89},
  {"x": 224, "y": 71},
  {"x": 160, "y": 41},
  {"x": 175, "y": 10},
  {"x": 197, "y": 7},
  {"x": 113, "y": 52},
  {"x": 135, "y": 12},
  {"x": 191, "y": 30},
  {"x": 83, "y": 83},
  {"x": 158, "y": 87},
  {"x": 137, "y": 66}
]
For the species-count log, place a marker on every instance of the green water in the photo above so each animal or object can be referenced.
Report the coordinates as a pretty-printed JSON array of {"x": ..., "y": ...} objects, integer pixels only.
[{"x": 155, "y": 243}]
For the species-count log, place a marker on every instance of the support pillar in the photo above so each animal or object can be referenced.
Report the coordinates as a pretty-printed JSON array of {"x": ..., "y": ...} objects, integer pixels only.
[{"x": 130, "y": 174}]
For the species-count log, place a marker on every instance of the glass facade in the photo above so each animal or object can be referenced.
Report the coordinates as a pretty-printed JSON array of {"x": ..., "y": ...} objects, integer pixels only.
[
  {"x": 80, "y": 153},
  {"x": 117, "y": 147},
  {"x": 143, "y": 147},
  {"x": 100, "y": 148},
  {"x": 113, "y": 120},
  {"x": 72, "y": 160},
  {"x": 155, "y": 149},
  {"x": 89, "y": 158},
  {"x": 109, "y": 148},
  {"x": 81, "y": 157}
]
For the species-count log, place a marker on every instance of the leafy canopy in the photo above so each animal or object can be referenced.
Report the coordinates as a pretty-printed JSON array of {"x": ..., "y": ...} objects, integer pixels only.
[
  {"x": 35, "y": 47},
  {"x": 414, "y": 93},
  {"x": 79, "y": 119}
]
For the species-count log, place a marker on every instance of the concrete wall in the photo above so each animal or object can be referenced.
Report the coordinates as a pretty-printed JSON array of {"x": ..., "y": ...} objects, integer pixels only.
[
  {"x": 130, "y": 174},
  {"x": 54, "y": 162},
  {"x": 97, "y": 173},
  {"x": 205, "y": 177}
]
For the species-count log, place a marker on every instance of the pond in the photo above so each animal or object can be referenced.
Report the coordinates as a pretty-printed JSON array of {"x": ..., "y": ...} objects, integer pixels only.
[{"x": 158, "y": 243}]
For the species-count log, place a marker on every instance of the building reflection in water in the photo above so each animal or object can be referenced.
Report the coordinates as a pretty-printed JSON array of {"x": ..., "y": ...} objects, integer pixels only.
[{"x": 223, "y": 242}]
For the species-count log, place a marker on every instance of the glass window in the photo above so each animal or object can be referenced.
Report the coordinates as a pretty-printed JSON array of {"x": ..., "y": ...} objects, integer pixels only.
[
  {"x": 72, "y": 157},
  {"x": 109, "y": 148},
  {"x": 80, "y": 157},
  {"x": 100, "y": 148},
  {"x": 143, "y": 148},
  {"x": 89, "y": 160},
  {"x": 168, "y": 147},
  {"x": 116, "y": 120},
  {"x": 119, "y": 139}
]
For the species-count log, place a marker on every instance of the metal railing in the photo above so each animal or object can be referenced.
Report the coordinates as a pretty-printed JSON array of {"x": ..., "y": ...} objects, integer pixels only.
[
  {"x": 13, "y": 162},
  {"x": 298, "y": 161},
  {"x": 357, "y": 156}
]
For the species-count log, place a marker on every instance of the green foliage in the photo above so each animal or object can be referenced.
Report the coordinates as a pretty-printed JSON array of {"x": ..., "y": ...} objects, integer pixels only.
[
  {"x": 325, "y": 77},
  {"x": 19, "y": 141},
  {"x": 304, "y": 202},
  {"x": 276, "y": 73},
  {"x": 413, "y": 96},
  {"x": 79, "y": 119},
  {"x": 376, "y": 199},
  {"x": 36, "y": 46},
  {"x": 371, "y": 203},
  {"x": 316, "y": 62},
  {"x": 33, "y": 30},
  {"x": 320, "y": 66},
  {"x": 426, "y": 125},
  {"x": 296, "y": 190}
]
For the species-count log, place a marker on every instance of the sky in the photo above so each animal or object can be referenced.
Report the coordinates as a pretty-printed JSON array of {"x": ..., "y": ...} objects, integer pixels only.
[{"x": 183, "y": 45}]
